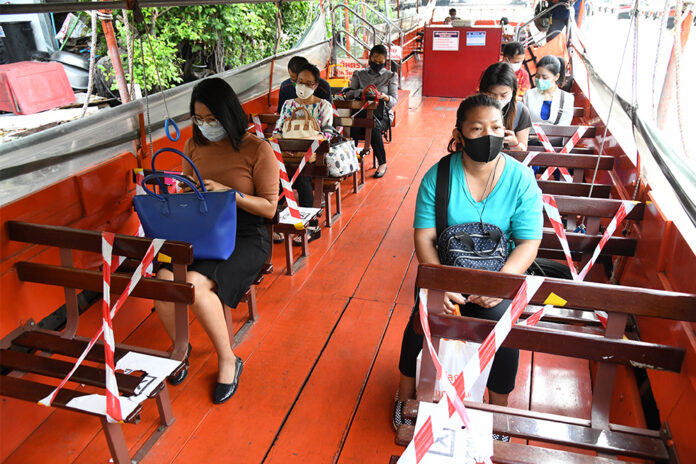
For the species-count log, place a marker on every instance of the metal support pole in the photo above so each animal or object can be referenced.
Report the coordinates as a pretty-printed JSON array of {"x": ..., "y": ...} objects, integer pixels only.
[{"x": 112, "y": 45}]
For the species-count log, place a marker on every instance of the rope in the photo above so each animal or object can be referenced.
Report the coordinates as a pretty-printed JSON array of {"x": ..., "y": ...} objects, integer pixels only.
[
  {"x": 663, "y": 29},
  {"x": 611, "y": 105},
  {"x": 129, "y": 46},
  {"x": 634, "y": 77},
  {"x": 92, "y": 58},
  {"x": 159, "y": 80},
  {"x": 680, "y": 14},
  {"x": 147, "y": 104}
]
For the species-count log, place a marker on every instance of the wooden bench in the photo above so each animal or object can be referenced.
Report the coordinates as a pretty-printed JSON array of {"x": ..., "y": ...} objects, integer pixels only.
[
  {"x": 365, "y": 121},
  {"x": 28, "y": 349},
  {"x": 318, "y": 171},
  {"x": 559, "y": 136},
  {"x": 327, "y": 186},
  {"x": 608, "y": 349},
  {"x": 583, "y": 166},
  {"x": 582, "y": 245}
]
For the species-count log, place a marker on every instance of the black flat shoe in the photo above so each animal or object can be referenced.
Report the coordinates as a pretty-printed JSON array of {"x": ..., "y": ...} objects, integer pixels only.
[
  {"x": 313, "y": 233},
  {"x": 379, "y": 173},
  {"x": 225, "y": 391},
  {"x": 181, "y": 376}
]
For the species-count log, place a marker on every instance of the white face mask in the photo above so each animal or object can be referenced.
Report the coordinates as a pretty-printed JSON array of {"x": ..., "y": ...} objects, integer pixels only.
[
  {"x": 303, "y": 91},
  {"x": 504, "y": 103},
  {"x": 214, "y": 133},
  {"x": 516, "y": 66}
]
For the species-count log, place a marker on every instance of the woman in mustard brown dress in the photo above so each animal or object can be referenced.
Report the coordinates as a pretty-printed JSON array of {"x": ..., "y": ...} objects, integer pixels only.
[{"x": 228, "y": 157}]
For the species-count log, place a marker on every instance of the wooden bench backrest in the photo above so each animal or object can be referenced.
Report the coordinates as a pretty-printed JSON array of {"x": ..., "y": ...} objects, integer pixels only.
[
  {"x": 365, "y": 119},
  {"x": 594, "y": 210},
  {"x": 570, "y": 161},
  {"x": 570, "y": 341},
  {"x": 588, "y": 296},
  {"x": 68, "y": 239},
  {"x": 567, "y": 131},
  {"x": 90, "y": 240}
]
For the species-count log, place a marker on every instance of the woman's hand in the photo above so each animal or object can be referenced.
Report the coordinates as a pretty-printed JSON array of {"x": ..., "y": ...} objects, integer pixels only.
[
  {"x": 511, "y": 139},
  {"x": 484, "y": 301},
  {"x": 212, "y": 186},
  {"x": 451, "y": 300},
  {"x": 384, "y": 97}
]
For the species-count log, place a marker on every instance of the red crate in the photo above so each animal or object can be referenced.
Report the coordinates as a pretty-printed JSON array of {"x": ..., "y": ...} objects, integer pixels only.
[{"x": 28, "y": 87}]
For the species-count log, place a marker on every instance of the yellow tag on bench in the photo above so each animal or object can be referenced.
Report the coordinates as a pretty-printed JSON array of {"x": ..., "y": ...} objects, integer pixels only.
[
  {"x": 162, "y": 258},
  {"x": 555, "y": 300}
]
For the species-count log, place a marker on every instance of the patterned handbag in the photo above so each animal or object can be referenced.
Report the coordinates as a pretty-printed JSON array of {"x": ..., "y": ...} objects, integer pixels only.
[
  {"x": 300, "y": 125},
  {"x": 342, "y": 159}
]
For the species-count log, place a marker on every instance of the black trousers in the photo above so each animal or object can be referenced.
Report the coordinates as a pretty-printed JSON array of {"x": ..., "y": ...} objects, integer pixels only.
[
  {"x": 376, "y": 142},
  {"x": 305, "y": 191},
  {"x": 504, "y": 369}
]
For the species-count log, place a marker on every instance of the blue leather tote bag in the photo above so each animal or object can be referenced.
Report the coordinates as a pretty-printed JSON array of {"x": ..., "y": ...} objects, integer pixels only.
[{"x": 206, "y": 220}]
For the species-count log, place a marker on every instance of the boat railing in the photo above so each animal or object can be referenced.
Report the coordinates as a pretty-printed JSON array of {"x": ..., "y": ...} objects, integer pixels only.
[
  {"x": 523, "y": 26},
  {"x": 42, "y": 159},
  {"x": 379, "y": 33}
]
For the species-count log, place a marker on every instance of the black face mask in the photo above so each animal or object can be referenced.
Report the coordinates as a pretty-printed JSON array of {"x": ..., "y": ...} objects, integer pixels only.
[
  {"x": 376, "y": 67},
  {"x": 483, "y": 149}
]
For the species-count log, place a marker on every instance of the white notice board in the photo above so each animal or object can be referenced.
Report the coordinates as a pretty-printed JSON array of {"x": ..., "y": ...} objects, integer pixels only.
[
  {"x": 476, "y": 38},
  {"x": 446, "y": 41}
]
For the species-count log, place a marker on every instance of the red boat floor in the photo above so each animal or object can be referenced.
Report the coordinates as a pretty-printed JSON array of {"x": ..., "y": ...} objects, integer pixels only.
[{"x": 320, "y": 364}]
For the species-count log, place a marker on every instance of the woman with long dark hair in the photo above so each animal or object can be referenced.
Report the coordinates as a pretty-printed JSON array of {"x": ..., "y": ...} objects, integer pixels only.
[
  {"x": 500, "y": 83},
  {"x": 485, "y": 186},
  {"x": 228, "y": 157}
]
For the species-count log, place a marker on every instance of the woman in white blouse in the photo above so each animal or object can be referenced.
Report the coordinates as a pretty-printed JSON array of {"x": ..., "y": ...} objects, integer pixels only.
[{"x": 546, "y": 102}]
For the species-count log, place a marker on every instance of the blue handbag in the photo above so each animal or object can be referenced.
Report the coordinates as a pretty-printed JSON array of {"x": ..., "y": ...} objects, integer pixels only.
[{"x": 206, "y": 220}]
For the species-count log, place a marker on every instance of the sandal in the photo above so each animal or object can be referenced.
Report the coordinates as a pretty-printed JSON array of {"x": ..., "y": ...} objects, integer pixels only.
[
  {"x": 278, "y": 237},
  {"x": 397, "y": 419}
]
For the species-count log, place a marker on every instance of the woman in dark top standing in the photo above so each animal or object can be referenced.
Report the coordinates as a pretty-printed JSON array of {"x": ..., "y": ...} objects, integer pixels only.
[
  {"x": 227, "y": 157},
  {"x": 499, "y": 82},
  {"x": 387, "y": 85}
]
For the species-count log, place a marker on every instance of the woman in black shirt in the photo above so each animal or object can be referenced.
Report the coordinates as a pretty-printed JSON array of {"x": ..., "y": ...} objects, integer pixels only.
[{"x": 500, "y": 82}]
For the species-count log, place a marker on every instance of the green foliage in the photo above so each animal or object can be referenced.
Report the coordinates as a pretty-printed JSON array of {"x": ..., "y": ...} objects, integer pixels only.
[{"x": 217, "y": 37}]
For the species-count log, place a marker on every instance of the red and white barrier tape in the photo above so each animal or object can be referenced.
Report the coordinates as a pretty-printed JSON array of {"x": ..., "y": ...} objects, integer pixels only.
[
  {"x": 305, "y": 159},
  {"x": 556, "y": 222},
  {"x": 554, "y": 216},
  {"x": 367, "y": 103},
  {"x": 285, "y": 182},
  {"x": 454, "y": 392},
  {"x": 107, "y": 247},
  {"x": 574, "y": 139},
  {"x": 257, "y": 126},
  {"x": 113, "y": 405},
  {"x": 336, "y": 115}
]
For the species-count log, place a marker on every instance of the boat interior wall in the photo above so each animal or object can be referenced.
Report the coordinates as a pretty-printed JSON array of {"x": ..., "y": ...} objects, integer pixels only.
[
  {"x": 68, "y": 149},
  {"x": 664, "y": 256},
  {"x": 80, "y": 201},
  {"x": 638, "y": 152}
]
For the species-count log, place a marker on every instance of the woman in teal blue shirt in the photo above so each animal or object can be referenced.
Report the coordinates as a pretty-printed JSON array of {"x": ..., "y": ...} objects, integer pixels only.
[{"x": 488, "y": 186}]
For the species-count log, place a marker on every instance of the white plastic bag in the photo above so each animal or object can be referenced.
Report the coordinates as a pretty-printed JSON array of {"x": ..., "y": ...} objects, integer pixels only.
[{"x": 454, "y": 355}]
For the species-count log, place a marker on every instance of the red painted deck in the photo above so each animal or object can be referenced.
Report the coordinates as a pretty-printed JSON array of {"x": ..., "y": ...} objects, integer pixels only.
[{"x": 321, "y": 362}]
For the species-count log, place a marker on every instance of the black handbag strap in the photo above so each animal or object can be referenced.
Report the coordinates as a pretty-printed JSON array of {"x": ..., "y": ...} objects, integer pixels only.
[
  {"x": 560, "y": 108},
  {"x": 442, "y": 193}
]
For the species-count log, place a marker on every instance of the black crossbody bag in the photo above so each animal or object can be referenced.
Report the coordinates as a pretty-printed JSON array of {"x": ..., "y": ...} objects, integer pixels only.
[{"x": 474, "y": 245}]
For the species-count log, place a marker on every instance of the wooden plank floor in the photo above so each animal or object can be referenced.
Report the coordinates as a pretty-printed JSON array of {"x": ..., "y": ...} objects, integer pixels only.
[{"x": 321, "y": 362}]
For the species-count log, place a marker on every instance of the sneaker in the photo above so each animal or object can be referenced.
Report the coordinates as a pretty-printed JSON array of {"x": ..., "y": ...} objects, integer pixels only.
[
  {"x": 397, "y": 420},
  {"x": 500, "y": 437}
]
